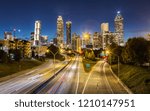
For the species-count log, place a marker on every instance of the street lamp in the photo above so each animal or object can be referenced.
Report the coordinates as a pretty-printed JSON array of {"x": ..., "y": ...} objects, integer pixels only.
[
  {"x": 61, "y": 50},
  {"x": 108, "y": 52},
  {"x": 54, "y": 55}
]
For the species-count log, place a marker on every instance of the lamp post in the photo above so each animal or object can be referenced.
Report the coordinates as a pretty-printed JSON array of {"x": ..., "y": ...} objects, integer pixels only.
[
  {"x": 118, "y": 61},
  {"x": 54, "y": 55}
]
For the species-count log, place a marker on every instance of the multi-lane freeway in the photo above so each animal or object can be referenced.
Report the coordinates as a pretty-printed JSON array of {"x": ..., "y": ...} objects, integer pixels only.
[
  {"x": 69, "y": 78},
  {"x": 26, "y": 81},
  {"x": 65, "y": 82},
  {"x": 101, "y": 80}
]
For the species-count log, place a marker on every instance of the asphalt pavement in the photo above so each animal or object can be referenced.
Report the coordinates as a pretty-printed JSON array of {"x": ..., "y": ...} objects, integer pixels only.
[{"x": 72, "y": 79}]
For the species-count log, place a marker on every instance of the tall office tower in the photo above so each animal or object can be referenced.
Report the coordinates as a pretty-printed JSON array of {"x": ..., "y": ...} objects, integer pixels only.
[
  {"x": 104, "y": 28},
  {"x": 37, "y": 33},
  {"x": 60, "y": 32},
  {"x": 76, "y": 42},
  {"x": 68, "y": 33},
  {"x": 74, "y": 35},
  {"x": 97, "y": 40},
  {"x": 104, "y": 32},
  {"x": 119, "y": 29},
  {"x": 32, "y": 38}
]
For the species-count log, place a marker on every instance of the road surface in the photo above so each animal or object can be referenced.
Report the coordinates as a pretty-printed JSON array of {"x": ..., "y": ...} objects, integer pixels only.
[
  {"x": 27, "y": 80},
  {"x": 74, "y": 80},
  {"x": 101, "y": 80},
  {"x": 71, "y": 80},
  {"x": 66, "y": 82}
]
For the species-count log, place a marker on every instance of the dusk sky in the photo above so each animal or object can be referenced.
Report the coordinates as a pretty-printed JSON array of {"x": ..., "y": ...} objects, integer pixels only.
[{"x": 86, "y": 15}]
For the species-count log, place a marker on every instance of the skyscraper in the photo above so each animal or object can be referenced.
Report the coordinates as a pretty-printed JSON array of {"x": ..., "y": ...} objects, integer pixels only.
[
  {"x": 60, "y": 31},
  {"x": 68, "y": 32},
  {"x": 119, "y": 29},
  {"x": 104, "y": 33},
  {"x": 97, "y": 40},
  {"x": 104, "y": 27},
  {"x": 76, "y": 43},
  {"x": 37, "y": 33}
]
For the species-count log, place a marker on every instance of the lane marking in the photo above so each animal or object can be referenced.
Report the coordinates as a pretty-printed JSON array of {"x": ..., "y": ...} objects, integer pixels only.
[
  {"x": 58, "y": 82},
  {"x": 31, "y": 72},
  {"x": 107, "y": 79},
  {"x": 78, "y": 79},
  {"x": 86, "y": 82},
  {"x": 88, "y": 79}
]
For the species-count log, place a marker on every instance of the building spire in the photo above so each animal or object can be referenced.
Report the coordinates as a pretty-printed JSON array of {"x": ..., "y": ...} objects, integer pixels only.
[{"x": 119, "y": 29}]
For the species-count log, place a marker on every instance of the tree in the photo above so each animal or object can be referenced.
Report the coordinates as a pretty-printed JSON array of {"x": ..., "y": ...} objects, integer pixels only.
[
  {"x": 115, "y": 52},
  {"x": 3, "y": 56},
  {"x": 92, "y": 55},
  {"x": 86, "y": 54},
  {"x": 17, "y": 54},
  {"x": 98, "y": 52},
  {"x": 54, "y": 50},
  {"x": 136, "y": 51}
]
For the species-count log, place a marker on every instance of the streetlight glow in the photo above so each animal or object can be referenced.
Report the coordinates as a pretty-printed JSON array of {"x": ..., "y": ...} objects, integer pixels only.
[{"x": 107, "y": 52}]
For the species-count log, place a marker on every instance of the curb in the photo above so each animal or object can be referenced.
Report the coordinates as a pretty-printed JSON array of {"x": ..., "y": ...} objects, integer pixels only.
[{"x": 123, "y": 85}]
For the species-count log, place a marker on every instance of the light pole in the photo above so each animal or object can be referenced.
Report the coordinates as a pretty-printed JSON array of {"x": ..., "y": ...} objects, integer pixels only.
[
  {"x": 54, "y": 55},
  {"x": 118, "y": 61}
]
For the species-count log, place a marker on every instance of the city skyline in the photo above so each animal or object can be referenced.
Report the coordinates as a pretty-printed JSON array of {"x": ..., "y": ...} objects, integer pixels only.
[
  {"x": 23, "y": 14},
  {"x": 74, "y": 47}
]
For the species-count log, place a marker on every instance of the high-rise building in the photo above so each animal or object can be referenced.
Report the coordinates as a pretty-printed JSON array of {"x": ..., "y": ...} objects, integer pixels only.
[
  {"x": 97, "y": 40},
  {"x": 37, "y": 33},
  {"x": 104, "y": 28},
  {"x": 68, "y": 33},
  {"x": 76, "y": 43},
  {"x": 60, "y": 32},
  {"x": 44, "y": 39},
  {"x": 74, "y": 35},
  {"x": 55, "y": 41},
  {"x": 104, "y": 33},
  {"x": 119, "y": 29},
  {"x": 32, "y": 36}
]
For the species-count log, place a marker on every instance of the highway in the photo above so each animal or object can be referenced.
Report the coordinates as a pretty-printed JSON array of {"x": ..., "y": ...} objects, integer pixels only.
[
  {"x": 29, "y": 79},
  {"x": 66, "y": 82},
  {"x": 74, "y": 80},
  {"x": 101, "y": 80},
  {"x": 69, "y": 78}
]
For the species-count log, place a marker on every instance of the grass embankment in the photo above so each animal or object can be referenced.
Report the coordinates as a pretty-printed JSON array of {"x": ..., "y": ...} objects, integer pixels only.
[
  {"x": 135, "y": 77},
  {"x": 88, "y": 64},
  {"x": 11, "y": 68}
]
